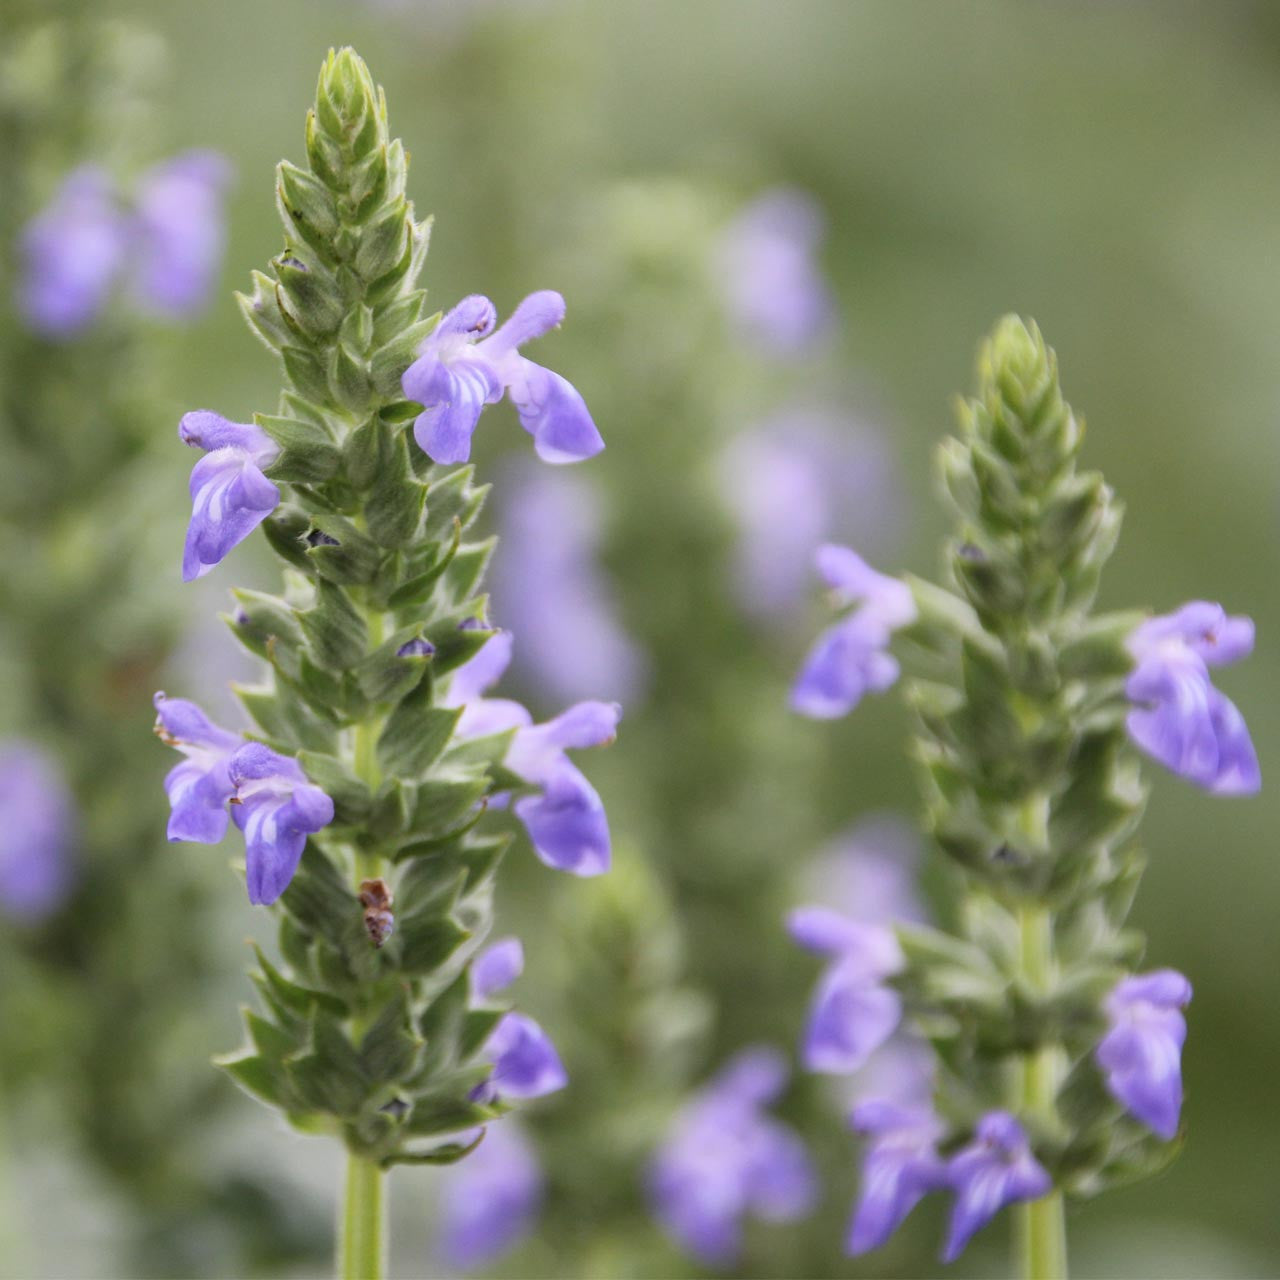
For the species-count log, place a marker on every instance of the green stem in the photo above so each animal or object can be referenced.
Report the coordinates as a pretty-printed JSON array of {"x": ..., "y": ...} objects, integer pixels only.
[
  {"x": 1040, "y": 1226},
  {"x": 363, "y": 1233},
  {"x": 362, "y": 1242}
]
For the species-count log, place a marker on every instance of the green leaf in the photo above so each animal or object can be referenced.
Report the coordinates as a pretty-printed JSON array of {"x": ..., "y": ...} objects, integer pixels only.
[
  {"x": 307, "y": 454},
  {"x": 335, "y": 628}
]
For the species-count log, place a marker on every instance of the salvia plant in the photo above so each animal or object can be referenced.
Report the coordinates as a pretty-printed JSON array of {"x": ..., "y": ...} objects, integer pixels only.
[
  {"x": 363, "y": 786},
  {"x": 103, "y": 990},
  {"x": 1057, "y": 1058}
]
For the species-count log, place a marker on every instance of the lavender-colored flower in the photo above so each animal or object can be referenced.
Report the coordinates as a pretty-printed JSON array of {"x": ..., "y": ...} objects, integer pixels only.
[
  {"x": 230, "y": 496},
  {"x": 1179, "y": 718},
  {"x": 463, "y": 365},
  {"x": 72, "y": 255},
  {"x": 276, "y": 808},
  {"x": 37, "y": 825},
  {"x": 549, "y": 586},
  {"x": 491, "y": 1199},
  {"x": 794, "y": 483},
  {"x": 725, "y": 1158},
  {"x": 851, "y": 657},
  {"x": 496, "y": 967},
  {"x": 179, "y": 232},
  {"x": 565, "y": 820},
  {"x": 996, "y": 1169},
  {"x": 1141, "y": 1054},
  {"x": 853, "y": 1012},
  {"x": 525, "y": 1062},
  {"x": 771, "y": 279},
  {"x": 199, "y": 788},
  {"x": 901, "y": 1165}
]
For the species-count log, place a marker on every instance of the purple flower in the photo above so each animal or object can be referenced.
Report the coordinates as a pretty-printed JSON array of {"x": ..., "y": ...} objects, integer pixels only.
[
  {"x": 794, "y": 483},
  {"x": 548, "y": 584},
  {"x": 179, "y": 232},
  {"x": 72, "y": 255},
  {"x": 37, "y": 825},
  {"x": 1178, "y": 717},
  {"x": 1141, "y": 1054},
  {"x": 565, "y": 819},
  {"x": 276, "y": 808},
  {"x": 230, "y": 496},
  {"x": 725, "y": 1158},
  {"x": 996, "y": 1169},
  {"x": 496, "y": 967},
  {"x": 463, "y": 365},
  {"x": 491, "y": 1199},
  {"x": 200, "y": 787},
  {"x": 851, "y": 658},
  {"x": 900, "y": 1166},
  {"x": 853, "y": 1012},
  {"x": 525, "y": 1062},
  {"x": 772, "y": 283}
]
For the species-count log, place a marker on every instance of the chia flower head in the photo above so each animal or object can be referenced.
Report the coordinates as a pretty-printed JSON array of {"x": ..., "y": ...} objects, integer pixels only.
[
  {"x": 464, "y": 365},
  {"x": 179, "y": 232},
  {"x": 996, "y": 1169},
  {"x": 767, "y": 263},
  {"x": 548, "y": 584},
  {"x": 200, "y": 787},
  {"x": 72, "y": 255},
  {"x": 276, "y": 808},
  {"x": 900, "y": 1167},
  {"x": 724, "y": 1158},
  {"x": 851, "y": 657},
  {"x": 1141, "y": 1053},
  {"x": 794, "y": 483},
  {"x": 490, "y": 1200},
  {"x": 230, "y": 496},
  {"x": 565, "y": 819},
  {"x": 37, "y": 826},
  {"x": 1178, "y": 717}
]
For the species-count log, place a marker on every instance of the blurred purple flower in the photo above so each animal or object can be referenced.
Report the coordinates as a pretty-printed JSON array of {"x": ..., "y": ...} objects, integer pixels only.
[
  {"x": 996, "y": 1169},
  {"x": 496, "y": 967},
  {"x": 1179, "y": 718},
  {"x": 767, "y": 263},
  {"x": 230, "y": 496},
  {"x": 549, "y": 586},
  {"x": 1141, "y": 1054},
  {"x": 525, "y": 1062},
  {"x": 37, "y": 825},
  {"x": 276, "y": 808},
  {"x": 179, "y": 232},
  {"x": 199, "y": 788},
  {"x": 851, "y": 657},
  {"x": 72, "y": 255},
  {"x": 900, "y": 1166},
  {"x": 867, "y": 880},
  {"x": 463, "y": 365},
  {"x": 725, "y": 1158},
  {"x": 794, "y": 483},
  {"x": 491, "y": 1199},
  {"x": 168, "y": 246},
  {"x": 565, "y": 820}
]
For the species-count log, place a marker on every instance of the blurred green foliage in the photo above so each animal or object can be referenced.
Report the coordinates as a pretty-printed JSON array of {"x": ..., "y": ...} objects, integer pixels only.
[{"x": 1109, "y": 170}]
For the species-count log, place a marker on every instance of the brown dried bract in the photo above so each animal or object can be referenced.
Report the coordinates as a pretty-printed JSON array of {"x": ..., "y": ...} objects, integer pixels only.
[{"x": 375, "y": 897}]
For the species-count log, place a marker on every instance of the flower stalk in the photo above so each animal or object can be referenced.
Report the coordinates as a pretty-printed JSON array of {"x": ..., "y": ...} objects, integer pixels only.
[
  {"x": 1029, "y": 707},
  {"x": 363, "y": 786}
]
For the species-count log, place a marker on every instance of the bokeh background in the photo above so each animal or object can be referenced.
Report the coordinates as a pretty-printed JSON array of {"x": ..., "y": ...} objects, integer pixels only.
[{"x": 1108, "y": 169}]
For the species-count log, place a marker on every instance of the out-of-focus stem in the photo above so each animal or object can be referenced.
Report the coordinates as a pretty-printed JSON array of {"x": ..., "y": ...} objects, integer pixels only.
[{"x": 362, "y": 1239}]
